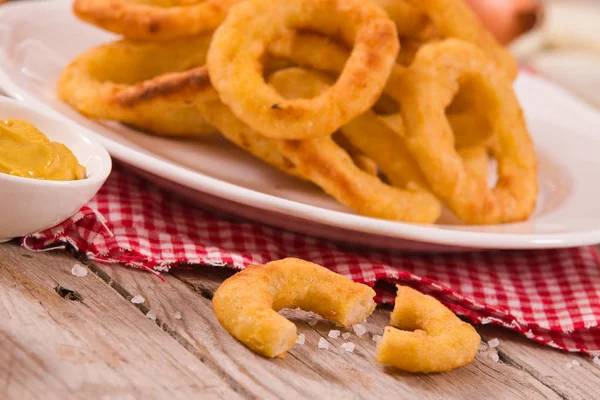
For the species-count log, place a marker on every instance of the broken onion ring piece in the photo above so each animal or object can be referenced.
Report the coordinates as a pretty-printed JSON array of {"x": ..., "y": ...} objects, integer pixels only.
[
  {"x": 426, "y": 336},
  {"x": 234, "y": 63},
  {"x": 247, "y": 303}
]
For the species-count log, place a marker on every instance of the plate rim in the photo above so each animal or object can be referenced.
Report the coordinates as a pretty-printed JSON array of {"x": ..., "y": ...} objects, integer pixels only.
[{"x": 202, "y": 183}]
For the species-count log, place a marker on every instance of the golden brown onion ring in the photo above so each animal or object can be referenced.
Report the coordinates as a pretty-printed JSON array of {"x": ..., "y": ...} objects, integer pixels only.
[
  {"x": 427, "y": 89},
  {"x": 429, "y": 338},
  {"x": 116, "y": 81},
  {"x": 409, "y": 20},
  {"x": 241, "y": 41},
  {"x": 154, "y": 19},
  {"x": 455, "y": 19},
  {"x": 246, "y": 304},
  {"x": 323, "y": 162}
]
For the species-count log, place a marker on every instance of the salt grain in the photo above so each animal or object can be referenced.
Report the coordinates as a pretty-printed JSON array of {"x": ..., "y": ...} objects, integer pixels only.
[
  {"x": 301, "y": 339},
  {"x": 346, "y": 336},
  {"x": 177, "y": 315},
  {"x": 494, "y": 343},
  {"x": 151, "y": 315},
  {"x": 349, "y": 347},
  {"x": 596, "y": 360},
  {"x": 359, "y": 329},
  {"x": 323, "y": 344},
  {"x": 79, "y": 270},
  {"x": 495, "y": 357},
  {"x": 137, "y": 299},
  {"x": 334, "y": 333},
  {"x": 573, "y": 363},
  {"x": 377, "y": 338},
  {"x": 312, "y": 322}
]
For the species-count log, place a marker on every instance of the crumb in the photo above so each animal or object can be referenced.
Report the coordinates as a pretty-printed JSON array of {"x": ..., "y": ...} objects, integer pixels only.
[
  {"x": 377, "y": 338},
  {"x": 137, "y": 299},
  {"x": 312, "y": 322},
  {"x": 301, "y": 339},
  {"x": 346, "y": 335},
  {"x": 177, "y": 315},
  {"x": 494, "y": 343},
  {"x": 596, "y": 360}
]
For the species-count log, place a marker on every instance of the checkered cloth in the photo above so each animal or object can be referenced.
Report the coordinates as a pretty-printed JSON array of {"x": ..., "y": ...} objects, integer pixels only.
[{"x": 551, "y": 296}]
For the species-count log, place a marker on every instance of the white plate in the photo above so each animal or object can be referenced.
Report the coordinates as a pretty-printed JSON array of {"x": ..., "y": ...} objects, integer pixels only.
[{"x": 37, "y": 39}]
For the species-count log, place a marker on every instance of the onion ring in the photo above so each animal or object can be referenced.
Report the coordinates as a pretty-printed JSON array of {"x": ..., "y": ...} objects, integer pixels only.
[
  {"x": 440, "y": 342},
  {"x": 116, "y": 82},
  {"x": 409, "y": 20},
  {"x": 246, "y": 304},
  {"x": 240, "y": 42},
  {"x": 359, "y": 158},
  {"x": 455, "y": 19},
  {"x": 427, "y": 89},
  {"x": 330, "y": 167},
  {"x": 154, "y": 19}
]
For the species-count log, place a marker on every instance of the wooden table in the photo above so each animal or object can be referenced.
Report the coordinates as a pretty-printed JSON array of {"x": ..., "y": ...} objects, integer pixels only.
[{"x": 102, "y": 346}]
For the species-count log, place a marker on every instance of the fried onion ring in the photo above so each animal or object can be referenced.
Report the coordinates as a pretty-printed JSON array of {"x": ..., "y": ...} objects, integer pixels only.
[
  {"x": 427, "y": 89},
  {"x": 240, "y": 42},
  {"x": 116, "y": 82},
  {"x": 358, "y": 157},
  {"x": 154, "y": 19},
  {"x": 409, "y": 20},
  {"x": 330, "y": 167},
  {"x": 246, "y": 304},
  {"x": 430, "y": 337},
  {"x": 455, "y": 19}
]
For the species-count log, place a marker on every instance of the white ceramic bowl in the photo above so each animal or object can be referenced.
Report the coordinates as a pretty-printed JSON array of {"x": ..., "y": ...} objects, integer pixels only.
[{"x": 32, "y": 205}]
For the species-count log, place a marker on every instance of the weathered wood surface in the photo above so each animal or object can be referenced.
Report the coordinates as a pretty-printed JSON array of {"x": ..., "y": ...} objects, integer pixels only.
[
  {"x": 101, "y": 347},
  {"x": 174, "y": 353}
]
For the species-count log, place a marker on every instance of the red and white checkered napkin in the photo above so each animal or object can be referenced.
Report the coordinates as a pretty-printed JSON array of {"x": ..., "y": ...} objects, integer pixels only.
[{"x": 551, "y": 296}]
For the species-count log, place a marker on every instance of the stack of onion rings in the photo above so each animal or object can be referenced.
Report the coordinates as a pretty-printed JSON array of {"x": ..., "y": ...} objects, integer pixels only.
[{"x": 350, "y": 121}]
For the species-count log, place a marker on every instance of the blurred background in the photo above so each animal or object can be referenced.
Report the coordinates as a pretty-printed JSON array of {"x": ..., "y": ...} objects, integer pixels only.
[{"x": 559, "y": 39}]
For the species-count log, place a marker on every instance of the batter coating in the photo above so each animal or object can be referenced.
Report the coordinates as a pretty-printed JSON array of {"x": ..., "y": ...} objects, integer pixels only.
[
  {"x": 247, "y": 303},
  {"x": 429, "y": 338}
]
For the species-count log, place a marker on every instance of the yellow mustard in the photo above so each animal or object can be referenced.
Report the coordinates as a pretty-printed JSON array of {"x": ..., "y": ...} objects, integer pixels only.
[{"x": 27, "y": 152}]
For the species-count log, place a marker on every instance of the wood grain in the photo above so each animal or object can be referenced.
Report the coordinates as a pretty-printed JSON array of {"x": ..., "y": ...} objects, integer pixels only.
[
  {"x": 548, "y": 365},
  {"x": 309, "y": 372},
  {"x": 102, "y": 347}
]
